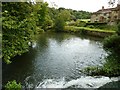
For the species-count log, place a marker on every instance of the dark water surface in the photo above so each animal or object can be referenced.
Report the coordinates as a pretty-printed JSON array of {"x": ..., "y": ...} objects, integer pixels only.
[{"x": 55, "y": 56}]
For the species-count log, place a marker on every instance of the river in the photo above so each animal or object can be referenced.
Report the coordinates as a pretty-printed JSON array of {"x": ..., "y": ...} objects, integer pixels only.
[{"x": 55, "y": 61}]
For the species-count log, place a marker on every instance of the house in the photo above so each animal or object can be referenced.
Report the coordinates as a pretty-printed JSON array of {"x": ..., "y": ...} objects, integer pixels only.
[{"x": 109, "y": 16}]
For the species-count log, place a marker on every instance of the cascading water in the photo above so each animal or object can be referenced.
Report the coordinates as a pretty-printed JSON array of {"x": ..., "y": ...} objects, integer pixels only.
[{"x": 82, "y": 82}]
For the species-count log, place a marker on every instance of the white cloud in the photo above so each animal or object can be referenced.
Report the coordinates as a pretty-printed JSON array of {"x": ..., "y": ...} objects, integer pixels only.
[{"x": 86, "y": 5}]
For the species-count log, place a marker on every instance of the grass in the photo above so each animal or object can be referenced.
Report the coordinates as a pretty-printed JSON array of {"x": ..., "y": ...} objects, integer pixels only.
[
  {"x": 104, "y": 26},
  {"x": 85, "y": 20},
  {"x": 74, "y": 28}
]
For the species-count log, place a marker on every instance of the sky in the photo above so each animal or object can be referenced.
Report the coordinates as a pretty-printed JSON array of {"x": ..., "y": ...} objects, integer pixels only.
[{"x": 85, "y": 5}]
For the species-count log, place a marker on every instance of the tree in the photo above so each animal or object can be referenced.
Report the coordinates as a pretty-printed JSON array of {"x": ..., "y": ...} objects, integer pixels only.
[
  {"x": 59, "y": 24},
  {"x": 65, "y": 14},
  {"x": 19, "y": 23},
  {"x": 60, "y": 20},
  {"x": 48, "y": 23}
]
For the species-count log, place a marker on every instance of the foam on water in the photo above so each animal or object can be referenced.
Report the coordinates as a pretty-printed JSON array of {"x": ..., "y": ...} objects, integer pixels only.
[
  {"x": 34, "y": 45},
  {"x": 83, "y": 82}
]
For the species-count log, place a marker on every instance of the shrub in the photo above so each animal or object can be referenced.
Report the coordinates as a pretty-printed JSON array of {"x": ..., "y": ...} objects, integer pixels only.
[
  {"x": 80, "y": 23},
  {"x": 112, "y": 43},
  {"x": 59, "y": 24},
  {"x": 118, "y": 29},
  {"x": 12, "y": 85},
  {"x": 94, "y": 71},
  {"x": 91, "y": 26},
  {"x": 71, "y": 23},
  {"x": 102, "y": 26}
]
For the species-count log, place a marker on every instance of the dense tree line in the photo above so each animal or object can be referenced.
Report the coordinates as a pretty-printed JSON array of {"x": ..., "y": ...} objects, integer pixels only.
[{"x": 74, "y": 14}]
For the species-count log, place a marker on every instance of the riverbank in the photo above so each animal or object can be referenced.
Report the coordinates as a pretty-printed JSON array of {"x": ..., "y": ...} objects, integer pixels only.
[
  {"x": 89, "y": 31},
  {"x": 111, "y": 66}
]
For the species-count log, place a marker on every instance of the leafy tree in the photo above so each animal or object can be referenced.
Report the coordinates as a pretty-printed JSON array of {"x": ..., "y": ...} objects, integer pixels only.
[
  {"x": 15, "y": 36},
  {"x": 65, "y": 14},
  {"x": 19, "y": 24},
  {"x": 60, "y": 20},
  {"x": 41, "y": 10},
  {"x": 112, "y": 44},
  {"x": 59, "y": 24},
  {"x": 52, "y": 12},
  {"x": 48, "y": 23}
]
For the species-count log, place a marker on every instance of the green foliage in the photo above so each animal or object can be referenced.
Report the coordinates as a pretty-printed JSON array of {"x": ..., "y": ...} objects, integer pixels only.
[
  {"x": 91, "y": 26},
  {"x": 78, "y": 29},
  {"x": 48, "y": 23},
  {"x": 60, "y": 20},
  {"x": 112, "y": 44},
  {"x": 71, "y": 23},
  {"x": 110, "y": 68},
  {"x": 52, "y": 12},
  {"x": 12, "y": 85},
  {"x": 80, "y": 23},
  {"x": 59, "y": 24},
  {"x": 68, "y": 14},
  {"x": 118, "y": 29},
  {"x": 93, "y": 71},
  {"x": 102, "y": 26},
  {"x": 80, "y": 14},
  {"x": 20, "y": 21},
  {"x": 112, "y": 65},
  {"x": 65, "y": 14},
  {"x": 74, "y": 15},
  {"x": 41, "y": 12}
]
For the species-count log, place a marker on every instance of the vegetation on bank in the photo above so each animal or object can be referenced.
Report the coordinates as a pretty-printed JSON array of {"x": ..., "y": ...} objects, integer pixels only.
[
  {"x": 13, "y": 85},
  {"x": 77, "y": 29},
  {"x": 85, "y": 27},
  {"x": 20, "y": 22},
  {"x": 112, "y": 65}
]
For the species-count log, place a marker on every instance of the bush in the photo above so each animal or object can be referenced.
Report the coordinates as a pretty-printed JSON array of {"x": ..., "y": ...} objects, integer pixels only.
[
  {"x": 80, "y": 23},
  {"x": 91, "y": 26},
  {"x": 71, "y": 23},
  {"x": 93, "y": 71},
  {"x": 112, "y": 66},
  {"x": 102, "y": 26},
  {"x": 118, "y": 29},
  {"x": 12, "y": 85},
  {"x": 112, "y": 44},
  {"x": 59, "y": 24}
]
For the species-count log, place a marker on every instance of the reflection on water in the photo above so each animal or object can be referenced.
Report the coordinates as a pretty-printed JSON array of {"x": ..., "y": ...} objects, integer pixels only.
[{"x": 55, "y": 56}]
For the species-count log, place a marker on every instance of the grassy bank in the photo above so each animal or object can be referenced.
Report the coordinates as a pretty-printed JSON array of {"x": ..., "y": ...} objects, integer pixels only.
[
  {"x": 77, "y": 29},
  {"x": 89, "y": 31}
]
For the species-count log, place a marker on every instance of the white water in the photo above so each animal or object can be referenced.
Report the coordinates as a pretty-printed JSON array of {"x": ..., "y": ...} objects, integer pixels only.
[{"x": 83, "y": 82}]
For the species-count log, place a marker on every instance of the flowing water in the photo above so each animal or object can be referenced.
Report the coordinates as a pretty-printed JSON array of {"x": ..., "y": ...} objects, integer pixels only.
[{"x": 55, "y": 61}]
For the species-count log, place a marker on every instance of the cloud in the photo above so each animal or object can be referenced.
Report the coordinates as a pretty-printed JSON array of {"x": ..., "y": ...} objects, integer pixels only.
[{"x": 86, "y": 5}]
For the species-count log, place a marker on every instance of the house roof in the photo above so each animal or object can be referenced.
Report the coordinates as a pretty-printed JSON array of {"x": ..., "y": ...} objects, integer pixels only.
[{"x": 107, "y": 10}]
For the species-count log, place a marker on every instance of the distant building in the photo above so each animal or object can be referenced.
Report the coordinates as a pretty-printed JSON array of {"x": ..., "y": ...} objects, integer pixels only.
[{"x": 110, "y": 15}]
